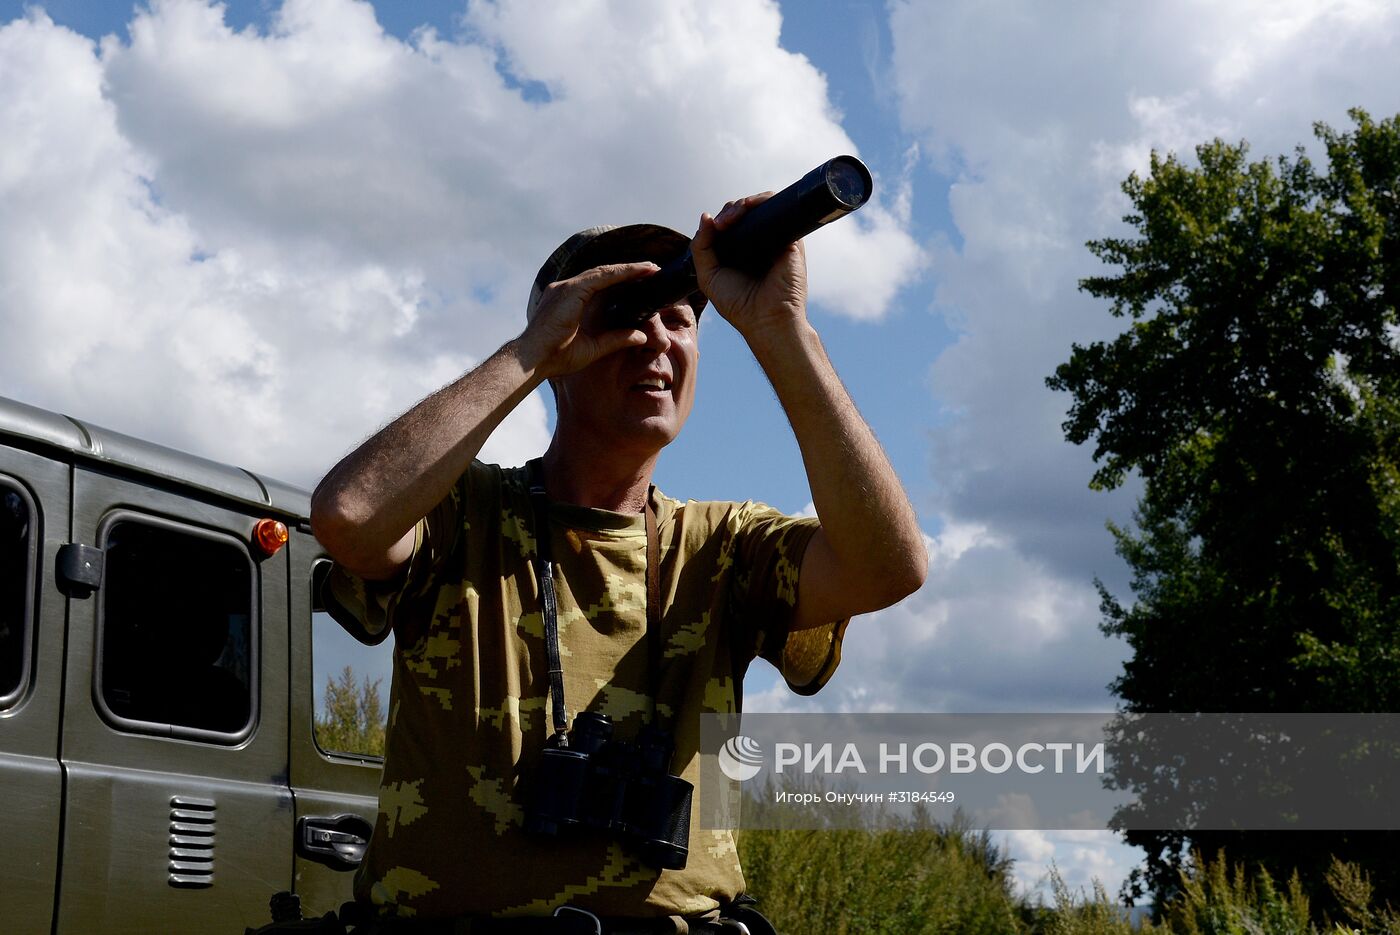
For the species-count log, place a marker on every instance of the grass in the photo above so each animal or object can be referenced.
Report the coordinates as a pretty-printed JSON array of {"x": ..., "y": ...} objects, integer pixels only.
[{"x": 926, "y": 878}]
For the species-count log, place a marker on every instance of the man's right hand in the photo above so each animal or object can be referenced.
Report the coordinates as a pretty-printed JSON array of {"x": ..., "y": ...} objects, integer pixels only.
[{"x": 565, "y": 334}]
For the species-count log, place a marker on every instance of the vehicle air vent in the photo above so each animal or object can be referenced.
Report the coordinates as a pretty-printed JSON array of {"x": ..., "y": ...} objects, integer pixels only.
[{"x": 191, "y": 842}]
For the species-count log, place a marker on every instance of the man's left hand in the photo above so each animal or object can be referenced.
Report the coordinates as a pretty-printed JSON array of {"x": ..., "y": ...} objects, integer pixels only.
[{"x": 755, "y": 306}]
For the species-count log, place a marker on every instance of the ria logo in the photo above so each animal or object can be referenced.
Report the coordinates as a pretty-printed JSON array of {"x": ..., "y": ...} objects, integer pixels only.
[{"x": 740, "y": 758}]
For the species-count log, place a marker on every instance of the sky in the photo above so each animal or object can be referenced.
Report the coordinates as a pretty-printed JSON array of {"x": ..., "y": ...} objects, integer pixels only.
[{"x": 259, "y": 231}]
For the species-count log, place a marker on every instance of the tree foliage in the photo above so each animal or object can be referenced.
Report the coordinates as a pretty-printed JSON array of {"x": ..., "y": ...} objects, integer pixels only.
[
  {"x": 354, "y": 720},
  {"x": 1254, "y": 390}
]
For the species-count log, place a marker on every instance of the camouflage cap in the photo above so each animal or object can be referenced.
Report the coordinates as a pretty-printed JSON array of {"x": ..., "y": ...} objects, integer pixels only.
[{"x": 629, "y": 243}]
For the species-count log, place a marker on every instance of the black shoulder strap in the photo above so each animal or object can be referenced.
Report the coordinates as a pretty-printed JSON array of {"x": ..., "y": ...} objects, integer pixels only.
[
  {"x": 544, "y": 571},
  {"x": 655, "y": 643}
]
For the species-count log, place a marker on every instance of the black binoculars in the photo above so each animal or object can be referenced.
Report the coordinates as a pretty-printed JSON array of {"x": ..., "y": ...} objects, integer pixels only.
[
  {"x": 830, "y": 191},
  {"x": 619, "y": 787}
]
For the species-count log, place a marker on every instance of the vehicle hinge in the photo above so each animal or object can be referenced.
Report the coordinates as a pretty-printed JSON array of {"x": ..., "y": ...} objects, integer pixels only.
[{"x": 79, "y": 568}]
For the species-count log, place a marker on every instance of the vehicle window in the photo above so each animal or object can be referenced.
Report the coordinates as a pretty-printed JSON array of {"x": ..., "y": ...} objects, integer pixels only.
[
  {"x": 15, "y": 575},
  {"x": 350, "y": 681},
  {"x": 176, "y": 629}
]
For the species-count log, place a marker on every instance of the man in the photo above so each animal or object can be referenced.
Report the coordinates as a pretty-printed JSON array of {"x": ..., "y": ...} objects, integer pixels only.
[{"x": 444, "y": 550}]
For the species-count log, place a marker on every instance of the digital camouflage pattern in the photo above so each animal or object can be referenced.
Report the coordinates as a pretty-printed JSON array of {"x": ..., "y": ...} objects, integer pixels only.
[{"x": 468, "y": 713}]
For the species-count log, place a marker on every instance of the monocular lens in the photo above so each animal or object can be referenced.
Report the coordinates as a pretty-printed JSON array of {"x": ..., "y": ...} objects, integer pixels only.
[{"x": 848, "y": 183}]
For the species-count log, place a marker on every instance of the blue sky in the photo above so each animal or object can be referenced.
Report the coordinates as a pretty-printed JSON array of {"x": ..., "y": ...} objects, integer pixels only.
[{"x": 259, "y": 231}]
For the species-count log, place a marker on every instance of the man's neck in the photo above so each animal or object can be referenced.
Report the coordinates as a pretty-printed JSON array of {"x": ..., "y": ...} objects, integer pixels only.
[{"x": 602, "y": 480}]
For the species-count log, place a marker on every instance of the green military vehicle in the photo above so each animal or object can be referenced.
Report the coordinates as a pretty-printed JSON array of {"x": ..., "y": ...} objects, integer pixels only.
[{"x": 159, "y": 763}]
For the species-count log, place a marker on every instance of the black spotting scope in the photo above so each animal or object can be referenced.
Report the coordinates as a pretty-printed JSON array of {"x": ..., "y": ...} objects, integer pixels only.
[{"x": 832, "y": 190}]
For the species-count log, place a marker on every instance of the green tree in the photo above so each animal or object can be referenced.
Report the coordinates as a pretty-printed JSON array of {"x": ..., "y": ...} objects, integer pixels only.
[
  {"x": 353, "y": 721},
  {"x": 1254, "y": 391}
]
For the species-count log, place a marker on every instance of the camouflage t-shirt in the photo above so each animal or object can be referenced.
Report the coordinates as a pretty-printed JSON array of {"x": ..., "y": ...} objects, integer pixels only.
[{"x": 468, "y": 710}]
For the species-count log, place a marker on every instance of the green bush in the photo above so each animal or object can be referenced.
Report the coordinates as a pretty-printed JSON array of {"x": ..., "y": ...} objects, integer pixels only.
[
  {"x": 1218, "y": 899},
  {"x": 1081, "y": 914},
  {"x": 890, "y": 881}
]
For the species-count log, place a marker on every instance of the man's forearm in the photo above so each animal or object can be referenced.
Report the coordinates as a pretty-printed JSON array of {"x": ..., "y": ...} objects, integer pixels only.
[
  {"x": 869, "y": 552},
  {"x": 867, "y": 520},
  {"x": 374, "y": 495}
]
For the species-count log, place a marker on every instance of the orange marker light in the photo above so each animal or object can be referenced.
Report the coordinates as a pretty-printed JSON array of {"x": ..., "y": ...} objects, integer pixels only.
[{"x": 270, "y": 535}]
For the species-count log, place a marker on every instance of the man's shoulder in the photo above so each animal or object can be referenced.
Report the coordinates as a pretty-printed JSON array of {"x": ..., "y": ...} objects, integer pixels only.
[
  {"x": 727, "y": 517},
  {"x": 670, "y": 508},
  {"x": 490, "y": 469},
  {"x": 487, "y": 476},
  {"x": 737, "y": 508}
]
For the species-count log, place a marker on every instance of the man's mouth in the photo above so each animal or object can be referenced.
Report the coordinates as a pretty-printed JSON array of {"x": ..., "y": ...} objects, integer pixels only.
[{"x": 653, "y": 384}]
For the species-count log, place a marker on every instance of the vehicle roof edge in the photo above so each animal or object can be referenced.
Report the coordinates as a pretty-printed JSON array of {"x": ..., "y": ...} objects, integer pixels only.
[{"x": 94, "y": 443}]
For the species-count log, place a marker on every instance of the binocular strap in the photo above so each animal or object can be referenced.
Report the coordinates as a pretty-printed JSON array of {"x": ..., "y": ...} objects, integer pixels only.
[{"x": 544, "y": 571}]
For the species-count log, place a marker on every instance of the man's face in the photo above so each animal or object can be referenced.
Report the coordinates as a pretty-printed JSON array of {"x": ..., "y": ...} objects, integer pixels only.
[{"x": 635, "y": 400}]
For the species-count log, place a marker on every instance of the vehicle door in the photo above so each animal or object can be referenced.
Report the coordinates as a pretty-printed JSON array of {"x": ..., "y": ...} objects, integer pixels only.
[
  {"x": 33, "y": 525},
  {"x": 178, "y": 814},
  {"x": 339, "y": 694}
]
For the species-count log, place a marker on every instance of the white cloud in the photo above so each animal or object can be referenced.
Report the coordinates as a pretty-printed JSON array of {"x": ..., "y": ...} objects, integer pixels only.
[
  {"x": 1082, "y": 858},
  {"x": 261, "y": 245},
  {"x": 991, "y": 630},
  {"x": 120, "y": 308}
]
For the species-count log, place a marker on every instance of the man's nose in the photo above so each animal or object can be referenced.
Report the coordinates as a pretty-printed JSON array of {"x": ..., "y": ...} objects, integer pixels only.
[{"x": 658, "y": 338}]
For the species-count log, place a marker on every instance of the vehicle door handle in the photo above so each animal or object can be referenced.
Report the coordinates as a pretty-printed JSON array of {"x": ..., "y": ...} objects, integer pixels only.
[{"x": 338, "y": 842}]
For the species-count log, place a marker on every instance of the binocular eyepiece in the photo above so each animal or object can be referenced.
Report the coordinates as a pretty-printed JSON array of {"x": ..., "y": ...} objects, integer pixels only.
[{"x": 830, "y": 191}]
